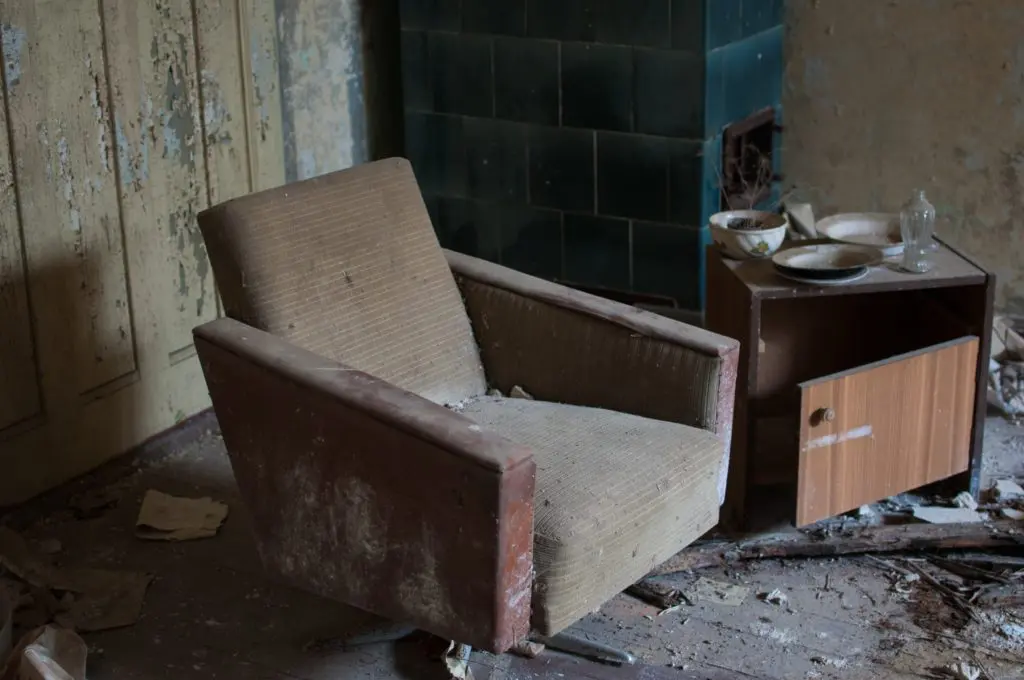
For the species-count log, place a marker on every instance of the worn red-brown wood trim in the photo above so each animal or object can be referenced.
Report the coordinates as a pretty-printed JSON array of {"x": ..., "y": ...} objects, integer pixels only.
[
  {"x": 357, "y": 390},
  {"x": 637, "y": 320},
  {"x": 366, "y": 494}
]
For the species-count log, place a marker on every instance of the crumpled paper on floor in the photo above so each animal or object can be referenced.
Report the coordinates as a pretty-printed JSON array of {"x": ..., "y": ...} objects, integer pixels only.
[
  {"x": 80, "y": 598},
  {"x": 1006, "y": 368},
  {"x": 47, "y": 653},
  {"x": 456, "y": 659},
  {"x": 169, "y": 518}
]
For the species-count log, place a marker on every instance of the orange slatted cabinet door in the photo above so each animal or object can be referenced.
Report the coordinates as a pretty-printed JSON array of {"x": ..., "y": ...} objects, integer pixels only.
[{"x": 885, "y": 428}]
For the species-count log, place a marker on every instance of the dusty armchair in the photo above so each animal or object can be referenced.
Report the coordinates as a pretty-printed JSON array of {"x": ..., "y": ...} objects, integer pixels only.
[{"x": 351, "y": 382}]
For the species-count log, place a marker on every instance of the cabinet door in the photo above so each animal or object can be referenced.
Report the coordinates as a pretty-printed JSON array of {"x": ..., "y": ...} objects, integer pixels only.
[{"x": 885, "y": 428}]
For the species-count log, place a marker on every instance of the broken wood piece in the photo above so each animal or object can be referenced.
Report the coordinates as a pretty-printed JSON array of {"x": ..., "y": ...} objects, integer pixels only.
[
  {"x": 657, "y": 594},
  {"x": 1008, "y": 595},
  {"x": 966, "y": 570},
  {"x": 871, "y": 539},
  {"x": 952, "y": 597},
  {"x": 47, "y": 653},
  {"x": 989, "y": 560},
  {"x": 169, "y": 518}
]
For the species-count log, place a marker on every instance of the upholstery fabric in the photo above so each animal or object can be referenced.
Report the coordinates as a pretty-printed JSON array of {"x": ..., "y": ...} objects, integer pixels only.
[
  {"x": 558, "y": 354},
  {"x": 347, "y": 265},
  {"x": 616, "y": 495}
]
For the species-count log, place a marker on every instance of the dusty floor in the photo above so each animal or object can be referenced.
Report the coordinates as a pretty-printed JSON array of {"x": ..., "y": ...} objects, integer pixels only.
[{"x": 211, "y": 612}]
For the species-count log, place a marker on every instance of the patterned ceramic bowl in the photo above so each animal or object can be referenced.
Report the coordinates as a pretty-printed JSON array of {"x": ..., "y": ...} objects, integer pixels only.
[{"x": 748, "y": 234}]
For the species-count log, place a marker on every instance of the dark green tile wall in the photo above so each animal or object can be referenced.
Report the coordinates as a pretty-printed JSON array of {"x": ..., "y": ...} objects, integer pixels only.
[{"x": 576, "y": 140}]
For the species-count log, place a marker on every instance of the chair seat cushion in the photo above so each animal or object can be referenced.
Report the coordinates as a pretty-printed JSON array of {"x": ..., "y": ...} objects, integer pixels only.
[{"x": 616, "y": 495}]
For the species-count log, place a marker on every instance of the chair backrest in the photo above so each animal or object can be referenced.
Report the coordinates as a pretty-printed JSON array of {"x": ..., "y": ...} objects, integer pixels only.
[{"x": 348, "y": 266}]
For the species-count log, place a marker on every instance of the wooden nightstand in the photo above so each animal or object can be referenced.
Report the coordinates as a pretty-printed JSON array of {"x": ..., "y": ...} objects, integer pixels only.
[{"x": 850, "y": 394}]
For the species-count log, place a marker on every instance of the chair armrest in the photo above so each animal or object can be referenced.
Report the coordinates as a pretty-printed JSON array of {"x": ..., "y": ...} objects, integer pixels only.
[
  {"x": 371, "y": 495},
  {"x": 568, "y": 346}
]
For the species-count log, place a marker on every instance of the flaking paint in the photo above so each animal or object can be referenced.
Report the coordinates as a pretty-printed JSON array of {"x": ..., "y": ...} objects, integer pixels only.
[
  {"x": 320, "y": 53},
  {"x": 13, "y": 38}
]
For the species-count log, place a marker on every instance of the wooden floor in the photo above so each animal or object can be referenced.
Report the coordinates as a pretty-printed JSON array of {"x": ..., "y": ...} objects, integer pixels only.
[{"x": 211, "y": 613}]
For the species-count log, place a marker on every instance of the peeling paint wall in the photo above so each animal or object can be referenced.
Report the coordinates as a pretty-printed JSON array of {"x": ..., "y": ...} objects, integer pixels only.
[
  {"x": 321, "y": 73},
  {"x": 881, "y": 97},
  {"x": 119, "y": 122}
]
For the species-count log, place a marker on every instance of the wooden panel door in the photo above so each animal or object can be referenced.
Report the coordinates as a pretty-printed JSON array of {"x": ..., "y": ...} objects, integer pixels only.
[
  {"x": 120, "y": 121},
  {"x": 885, "y": 428}
]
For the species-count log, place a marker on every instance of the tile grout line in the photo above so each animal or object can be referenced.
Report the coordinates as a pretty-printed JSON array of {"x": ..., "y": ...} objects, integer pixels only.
[{"x": 594, "y": 133}]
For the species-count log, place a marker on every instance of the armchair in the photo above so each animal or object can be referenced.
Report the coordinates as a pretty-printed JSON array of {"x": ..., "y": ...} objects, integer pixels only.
[{"x": 350, "y": 379}]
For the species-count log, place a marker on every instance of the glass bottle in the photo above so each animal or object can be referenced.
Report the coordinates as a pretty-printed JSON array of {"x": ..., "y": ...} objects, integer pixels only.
[{"x": 917, "y": 225}]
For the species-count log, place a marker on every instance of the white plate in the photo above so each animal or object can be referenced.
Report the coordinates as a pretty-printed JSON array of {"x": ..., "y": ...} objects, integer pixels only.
[
  {"x": 825, "y": 282},
  {"x": 879, "y": 230},
  {"x": 828, "y": 259}
]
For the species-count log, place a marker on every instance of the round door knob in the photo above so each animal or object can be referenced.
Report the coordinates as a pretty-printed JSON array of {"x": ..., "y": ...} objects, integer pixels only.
[{"x": 824, "y": 415}]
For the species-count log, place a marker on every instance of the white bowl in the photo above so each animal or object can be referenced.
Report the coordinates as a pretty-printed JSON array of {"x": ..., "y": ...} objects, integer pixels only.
[
  {"x": 748, "y": 244},
  {"x": 880, "y": 230}
]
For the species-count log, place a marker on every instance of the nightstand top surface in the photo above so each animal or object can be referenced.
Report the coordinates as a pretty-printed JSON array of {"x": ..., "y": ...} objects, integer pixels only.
[{"x": 950, "y": 268}]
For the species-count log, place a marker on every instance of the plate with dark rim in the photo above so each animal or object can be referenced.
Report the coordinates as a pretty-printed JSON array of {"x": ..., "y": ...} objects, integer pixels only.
[
  {"x": 827, "y": 261},
  {"x": 857, "y": 276}
]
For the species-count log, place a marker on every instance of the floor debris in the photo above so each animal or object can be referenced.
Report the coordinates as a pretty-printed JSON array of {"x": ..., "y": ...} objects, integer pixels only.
[
  {"x": 1007, "y": 490},
  {"x": 1006, "y": 368},
  {"x": 965, "y": 500},
  {"x": 528, "y": 649},
  {"x": 936, "y": 515},
  {"x": 202, "y": 620},
  {"x": 952, "y": 597},
  {"x": 708, "y": 590},
  {"x": 47, "y": 653},
  {"x": 1012, "y": 513},
  {"x": 80, "y": 598},
  {"x": 94, "y": 503},
  {"x": 858, "y": 540},
  {"x": 765, "y": 630},
  {"x": 774, "y": 597},
  {"x": 866, "y": 512},
  {"x": 961, "y": 670},
  {"x": 518, "y": 392},
  {"x": 456, "y": 659},
  {"x": 170, "y": 518},
  {"x": 661, "y": 596},
  {"x": 833, "y": 662}
]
